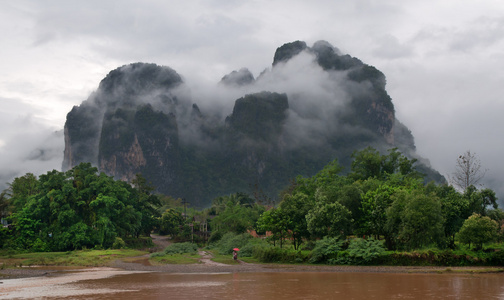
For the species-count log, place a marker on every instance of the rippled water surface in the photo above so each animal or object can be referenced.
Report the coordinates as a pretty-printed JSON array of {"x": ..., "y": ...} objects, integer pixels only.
[{"x": 114, "y": 284}]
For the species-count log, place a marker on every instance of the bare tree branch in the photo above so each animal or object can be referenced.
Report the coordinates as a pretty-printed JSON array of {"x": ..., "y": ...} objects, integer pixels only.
[{"x": 468, "y": 171}]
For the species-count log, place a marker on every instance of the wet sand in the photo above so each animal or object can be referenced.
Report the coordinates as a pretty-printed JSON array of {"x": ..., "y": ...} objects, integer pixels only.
[{"x": 29, "y": 285}]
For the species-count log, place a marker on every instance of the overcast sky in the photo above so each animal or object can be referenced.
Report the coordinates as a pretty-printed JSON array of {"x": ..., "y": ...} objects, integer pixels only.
[{"x": 444, "y": 62}]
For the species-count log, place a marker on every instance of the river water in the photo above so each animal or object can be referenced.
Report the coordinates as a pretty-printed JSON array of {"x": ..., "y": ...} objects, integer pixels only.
[{"x": 116, "y": 284}]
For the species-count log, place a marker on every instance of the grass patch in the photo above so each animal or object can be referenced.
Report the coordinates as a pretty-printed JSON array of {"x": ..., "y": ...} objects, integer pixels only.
[
  {"x": 178, "y": 253},
  {"x": 250, "y": 260},
  {"x": 185, "y": 258},
  {"x": 478, "y": 270},
  {"x": 87, "y": 258},
  {"x": 223, "y": 258}
]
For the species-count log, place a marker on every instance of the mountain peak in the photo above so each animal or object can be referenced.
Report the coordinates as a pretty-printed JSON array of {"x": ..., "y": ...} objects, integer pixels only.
[{"x": 315, "y": 105}]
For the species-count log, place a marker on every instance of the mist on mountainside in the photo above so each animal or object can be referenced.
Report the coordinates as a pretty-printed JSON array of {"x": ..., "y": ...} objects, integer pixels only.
[
  {"x": 27, "y": 145},
  {"x": 242, "y": 134}
]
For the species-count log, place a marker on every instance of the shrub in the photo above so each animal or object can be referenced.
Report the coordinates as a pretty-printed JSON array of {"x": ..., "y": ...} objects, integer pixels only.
[
  {"x": 442, "y": 258},
  {"x": 361, "y": 251},
  {"x": 326, "y": 249},
  {"x": 478, "y": 230},
  {"x": 269, "y": 254},
  {"x": 139, "y": 243},
  {"x": 497, "y": 258},
  {"x": 215, "y": 237},
  {"x": 4, "y": 235},
  {"x": 40, "y": 246},
  {"x": 231, "y": 240},
  {"x": 181, "y": 248},
  {"x": 247, "y": 250},
  {"x": 118, "y": 243}
]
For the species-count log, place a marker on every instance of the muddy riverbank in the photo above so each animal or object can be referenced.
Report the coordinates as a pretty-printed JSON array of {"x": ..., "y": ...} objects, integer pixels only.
[
  {"x": 206, "y": 265},
  {"x": 293, "y": 282},
  {"x": 141, "y": 265}
]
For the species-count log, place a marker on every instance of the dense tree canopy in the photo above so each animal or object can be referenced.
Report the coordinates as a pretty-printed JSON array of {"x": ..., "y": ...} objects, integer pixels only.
[
  {"x": 235, "y": 213},
  {"x": 477, "y": 230},
  {"x": 77, "y": 209},
  {"x": 382, "y": 196}
]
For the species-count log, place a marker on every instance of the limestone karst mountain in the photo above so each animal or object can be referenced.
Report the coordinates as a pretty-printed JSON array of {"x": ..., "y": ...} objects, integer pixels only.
[{"x": 313, "y": 105}]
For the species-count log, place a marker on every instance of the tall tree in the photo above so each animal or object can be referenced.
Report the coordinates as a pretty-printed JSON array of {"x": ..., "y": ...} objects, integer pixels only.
[
  {"x": 21, "y": 189},
  {"x": 146, "y": 203},
  {"x": 329, "y": 219},
  {"x": 468, "y": 171},
  {"x": 171, "y": 220},
  {"x": 480, "y": 200},
  {"x": 78, "y": 208},
  {"x": 369, "y": 163},
  {"x": 4, "y": 204},
  {"x": 374, "y": 207},
  {"x": 295, "y": 208},
  {"x": 478, "y": 230},
  {"x": 455, "y": 209},
  {"x": 234, "y": 213},
  {"x": 415, "y": 219},
  {"x": 276, "y": 222}
]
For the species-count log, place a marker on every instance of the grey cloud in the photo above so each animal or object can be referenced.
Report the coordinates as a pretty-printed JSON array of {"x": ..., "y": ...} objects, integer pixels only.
[
  {"x": 452, "y": 65},
  {"x": 29, "y": 145},
  {"x": 481, "y": 33},
  {"x": 316, "y": 98},
  {"x": 389, "y": 47},
  {"x": 124, "y": 30}
]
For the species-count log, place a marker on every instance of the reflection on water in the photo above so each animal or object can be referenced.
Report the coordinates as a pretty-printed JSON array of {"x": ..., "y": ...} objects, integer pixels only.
[{"x": 301, "y": 285}]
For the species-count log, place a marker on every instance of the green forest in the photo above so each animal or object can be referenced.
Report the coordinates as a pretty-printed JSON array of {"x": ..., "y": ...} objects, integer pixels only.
[{"x": 379, "y": 212}]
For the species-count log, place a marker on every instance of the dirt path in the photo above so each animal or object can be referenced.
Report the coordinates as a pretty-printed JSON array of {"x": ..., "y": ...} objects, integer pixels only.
[
  {"x": 206, "y": 258},
  {"x": 161, "y": 242}
]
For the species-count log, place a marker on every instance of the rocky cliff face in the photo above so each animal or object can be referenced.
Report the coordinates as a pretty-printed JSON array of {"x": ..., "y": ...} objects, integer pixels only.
[{"x": 315, "y": 104}]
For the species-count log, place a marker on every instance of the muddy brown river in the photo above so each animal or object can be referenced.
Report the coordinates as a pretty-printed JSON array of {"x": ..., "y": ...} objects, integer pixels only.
[{"x": 105, "y": 283}]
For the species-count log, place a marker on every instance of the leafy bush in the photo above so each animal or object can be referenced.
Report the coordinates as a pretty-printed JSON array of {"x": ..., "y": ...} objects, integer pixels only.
[
  {"x": 477, "y": 230},
  {"x": 248, "y": 249},
  {"x": 4, "y": 235},
  {"x": 139, "y": 243},
  {"x": 231, "y": 240},
  {"x": 215, "y": 237},
  {"x": 268, "y": 254},
  {"x": 361, "y": 251},
  {"x": 448, "y": 257},
  {"x": 178, "y": 248},
  {"x": 325, "y": 249},
  {"x": 40, "y": 246},
  {"x": 118, "y": 243},
  {"x": 497, "y": 258}
]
